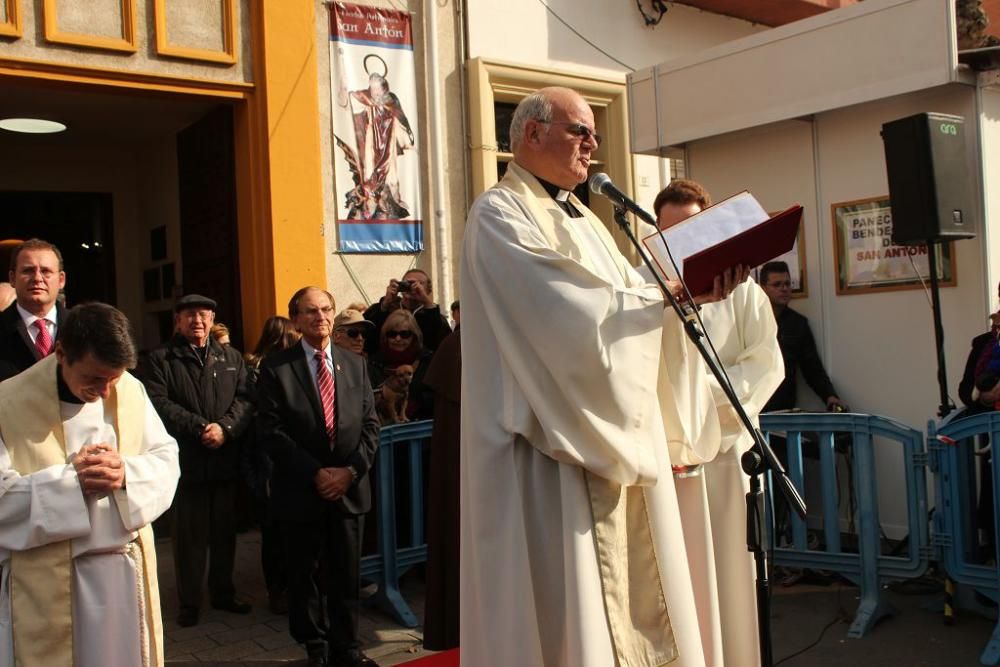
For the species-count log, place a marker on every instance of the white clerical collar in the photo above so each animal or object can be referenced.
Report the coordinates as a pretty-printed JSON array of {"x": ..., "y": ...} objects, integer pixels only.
[
  {"x": 29, "y": 318},
  {"x": 562, "y": 195}
]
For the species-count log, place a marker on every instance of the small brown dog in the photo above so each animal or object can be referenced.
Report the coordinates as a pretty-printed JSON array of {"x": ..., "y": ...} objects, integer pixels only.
[{"x": 391, "y": 396}]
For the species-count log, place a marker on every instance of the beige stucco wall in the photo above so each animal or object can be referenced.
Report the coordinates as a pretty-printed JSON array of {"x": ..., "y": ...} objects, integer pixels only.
[
  {"x": 519, "y": 31},
  {"x": 524, "y": 31},
  {"x": 191, "y": 23},
  {"x": 878, "y": 348}
]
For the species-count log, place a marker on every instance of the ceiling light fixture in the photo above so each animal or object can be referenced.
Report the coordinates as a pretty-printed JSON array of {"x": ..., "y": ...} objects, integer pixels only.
[{"x": 31, "y": 125}]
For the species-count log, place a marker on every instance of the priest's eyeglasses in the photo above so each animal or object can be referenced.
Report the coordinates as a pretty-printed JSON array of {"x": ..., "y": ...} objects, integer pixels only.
[{"x": 577, "y": 130}]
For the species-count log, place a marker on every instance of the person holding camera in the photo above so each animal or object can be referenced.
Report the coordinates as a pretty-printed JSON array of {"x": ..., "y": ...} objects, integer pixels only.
[{"x": 415, "y": 293}]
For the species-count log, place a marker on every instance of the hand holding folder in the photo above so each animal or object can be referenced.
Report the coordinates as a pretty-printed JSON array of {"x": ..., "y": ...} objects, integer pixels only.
[{"x": 736, "y": 231}]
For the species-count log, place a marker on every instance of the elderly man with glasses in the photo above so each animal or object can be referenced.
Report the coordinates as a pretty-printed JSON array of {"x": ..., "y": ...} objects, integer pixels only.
[
  {"x": 351, "y": 330},
  {"x": 316, "y": 419},
  {"x": 198, "y": 388},
  {"x": 571, "y": 544}
]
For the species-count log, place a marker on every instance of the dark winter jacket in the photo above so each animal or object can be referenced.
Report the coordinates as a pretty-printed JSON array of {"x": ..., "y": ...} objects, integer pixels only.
[{"x": 189, "y": 394}]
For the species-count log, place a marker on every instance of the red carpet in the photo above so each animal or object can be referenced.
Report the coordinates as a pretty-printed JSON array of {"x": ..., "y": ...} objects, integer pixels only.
[{"x": 446, "y": 659}]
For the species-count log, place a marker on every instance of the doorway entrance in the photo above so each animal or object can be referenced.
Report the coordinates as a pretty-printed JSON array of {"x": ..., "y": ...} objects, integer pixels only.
[
  {"x": 138, "y": 186},
  {"x": 79, "y": 224}
]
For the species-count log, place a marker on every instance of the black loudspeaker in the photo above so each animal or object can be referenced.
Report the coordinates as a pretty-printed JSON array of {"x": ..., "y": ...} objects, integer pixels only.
[{"x": 929, "y": 182}]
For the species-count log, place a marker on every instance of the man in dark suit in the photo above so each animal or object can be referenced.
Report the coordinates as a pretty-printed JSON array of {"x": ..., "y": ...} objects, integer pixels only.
[
  {"x": 28, "y": 327},
  {"x": 317, "y": 421}
]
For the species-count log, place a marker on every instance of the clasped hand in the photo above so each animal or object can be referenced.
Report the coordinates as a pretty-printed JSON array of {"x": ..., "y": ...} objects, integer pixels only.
[
  {"x": 332, "y": 483},
  {"x": 99, "y": 469},
  {"x": 212, "y": 436}
]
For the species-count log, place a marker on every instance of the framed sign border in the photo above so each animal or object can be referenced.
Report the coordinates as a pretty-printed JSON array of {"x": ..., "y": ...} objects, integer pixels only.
[{"x": 840, "y": 257}]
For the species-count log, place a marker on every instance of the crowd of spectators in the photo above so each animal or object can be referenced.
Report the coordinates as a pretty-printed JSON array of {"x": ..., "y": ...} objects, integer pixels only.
[{"x": 209, "y": 396}]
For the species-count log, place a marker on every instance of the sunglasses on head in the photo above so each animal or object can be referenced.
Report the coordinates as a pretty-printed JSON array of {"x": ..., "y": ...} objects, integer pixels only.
[
  {"x": 405, "y": 335},
  {"x": 352, "y": 332}
]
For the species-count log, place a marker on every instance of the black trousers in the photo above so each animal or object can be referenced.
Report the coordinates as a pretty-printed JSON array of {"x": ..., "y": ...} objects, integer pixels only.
[
  {"x": 272, "y": 556},
  {"x": 324, "y": 556},
  {"x": 204, "y": 527}
]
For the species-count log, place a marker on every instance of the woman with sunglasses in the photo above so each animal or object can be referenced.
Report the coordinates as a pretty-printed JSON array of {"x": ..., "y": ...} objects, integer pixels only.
[
  {"x": 400, "y": 343},
  {"x": 278, "y": 334}
]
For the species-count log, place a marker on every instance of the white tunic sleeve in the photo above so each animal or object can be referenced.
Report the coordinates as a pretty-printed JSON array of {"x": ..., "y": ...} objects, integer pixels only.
[
  {"x": 43, "y": 507},
  {"x": 749, "y": 352},
  {"x": 687, "y": 402},
  {"x": 690, "y": 415},
  {"x": 579, "y": 353},
  {"x": 151, "y": 477}
]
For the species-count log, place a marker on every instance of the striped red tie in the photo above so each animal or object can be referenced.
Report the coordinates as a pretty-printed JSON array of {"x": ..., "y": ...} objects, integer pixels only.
[
  {"x": 43, "y": 341},
  {"x": 327, "y": 395}
]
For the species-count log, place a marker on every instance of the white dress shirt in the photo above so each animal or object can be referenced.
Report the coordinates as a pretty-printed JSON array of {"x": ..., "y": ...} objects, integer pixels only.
[
  {"x": 29, "y": 322},
  {"x": 311, "y": 357}
]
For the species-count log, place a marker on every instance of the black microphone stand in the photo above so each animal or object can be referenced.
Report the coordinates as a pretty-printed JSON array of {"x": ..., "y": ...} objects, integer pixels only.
[{"x": 755, "y": 461}]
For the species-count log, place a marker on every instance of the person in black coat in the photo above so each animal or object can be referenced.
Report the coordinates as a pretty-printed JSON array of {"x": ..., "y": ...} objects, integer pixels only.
[
  {"x": 278, "y": 334},
  {"x": 36, "y": 273},
  {"x": 199, "y": 390},
  {"x": 316, "y": 419}
]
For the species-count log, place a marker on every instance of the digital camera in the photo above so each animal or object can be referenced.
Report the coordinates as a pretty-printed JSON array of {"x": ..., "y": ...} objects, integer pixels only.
[{"x": 404, "y": 285}]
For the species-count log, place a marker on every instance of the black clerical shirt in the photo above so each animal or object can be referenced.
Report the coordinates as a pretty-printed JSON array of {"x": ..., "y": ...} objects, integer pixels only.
[
  {"x": 65, "y": 395},
  {"x": 561, "y": 197}
]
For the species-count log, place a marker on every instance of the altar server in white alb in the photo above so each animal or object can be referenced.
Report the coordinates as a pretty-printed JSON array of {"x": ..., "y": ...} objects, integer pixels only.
[
  {"x": 85, "y": 467},
  {"x": 713, "y": 498},
  {"x": 572, "y": 551}
]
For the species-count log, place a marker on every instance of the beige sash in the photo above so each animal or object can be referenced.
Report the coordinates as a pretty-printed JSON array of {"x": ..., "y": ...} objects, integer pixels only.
[
  {"x": 41, "y": 578},
  {"x": 634, "y": 599}
]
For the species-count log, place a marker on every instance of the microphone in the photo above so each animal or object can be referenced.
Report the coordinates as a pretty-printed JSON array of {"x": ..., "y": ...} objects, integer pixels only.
[{"x": 600, "y": 184}]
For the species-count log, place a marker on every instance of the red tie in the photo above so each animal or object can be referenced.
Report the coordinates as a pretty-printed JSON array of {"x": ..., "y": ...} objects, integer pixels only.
[
  {"x": 43, "y": 341},
  {"x": 327, "y": 394}
]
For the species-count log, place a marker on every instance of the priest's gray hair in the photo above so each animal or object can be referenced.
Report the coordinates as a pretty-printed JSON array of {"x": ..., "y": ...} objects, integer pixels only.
[{"x": 536, "y": 106}]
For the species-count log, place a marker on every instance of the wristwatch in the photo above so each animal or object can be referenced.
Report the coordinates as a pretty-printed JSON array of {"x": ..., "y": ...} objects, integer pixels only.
[{"x": 354, "y": 473}]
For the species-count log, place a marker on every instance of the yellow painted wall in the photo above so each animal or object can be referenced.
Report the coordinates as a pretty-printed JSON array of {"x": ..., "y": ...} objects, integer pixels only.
[{"x": 279, "y": 175}]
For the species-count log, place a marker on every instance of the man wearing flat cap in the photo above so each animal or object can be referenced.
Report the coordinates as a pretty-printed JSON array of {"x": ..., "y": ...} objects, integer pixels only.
[
  {"x": 198, "y": 387},
  {"x": 350, "y": 329}
]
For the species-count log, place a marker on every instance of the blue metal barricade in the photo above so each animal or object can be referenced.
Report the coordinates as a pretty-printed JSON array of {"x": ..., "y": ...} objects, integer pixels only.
[
  {"x": 868, "y": 568},
  {"x": 404, "y": 440},
  {"x": 949, "y": 444}
]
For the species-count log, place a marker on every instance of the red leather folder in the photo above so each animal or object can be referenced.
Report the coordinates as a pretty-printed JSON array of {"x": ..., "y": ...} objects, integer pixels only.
[{"x": 752, "y": 247}]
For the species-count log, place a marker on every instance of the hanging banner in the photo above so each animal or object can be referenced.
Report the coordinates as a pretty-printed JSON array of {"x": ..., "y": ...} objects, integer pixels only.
[{"x": 376, "y": 157}]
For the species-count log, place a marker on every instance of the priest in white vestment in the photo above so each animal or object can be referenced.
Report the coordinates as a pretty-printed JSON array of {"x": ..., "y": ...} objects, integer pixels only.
[
  {"x": 572, "y": 550},
  {"x": 712, "y": 498},
  {"x": 85, "y": 467}
]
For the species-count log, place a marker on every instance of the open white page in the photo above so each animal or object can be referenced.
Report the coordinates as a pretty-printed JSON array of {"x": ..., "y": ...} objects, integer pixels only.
[{"x": 704, "y": 230}]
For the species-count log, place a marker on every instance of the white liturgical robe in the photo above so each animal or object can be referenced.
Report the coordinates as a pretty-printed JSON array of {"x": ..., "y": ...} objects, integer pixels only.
[
  {"x": 562, "y": 437},
  {"x": 48, "y": 506},
  {"x": 713, "y": 505}
]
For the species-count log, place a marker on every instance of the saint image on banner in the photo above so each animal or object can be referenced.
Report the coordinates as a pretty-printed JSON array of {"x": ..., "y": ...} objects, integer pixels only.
[
  {"x": 375, "y": 130},
  {"x": 381, "y": 133}
]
